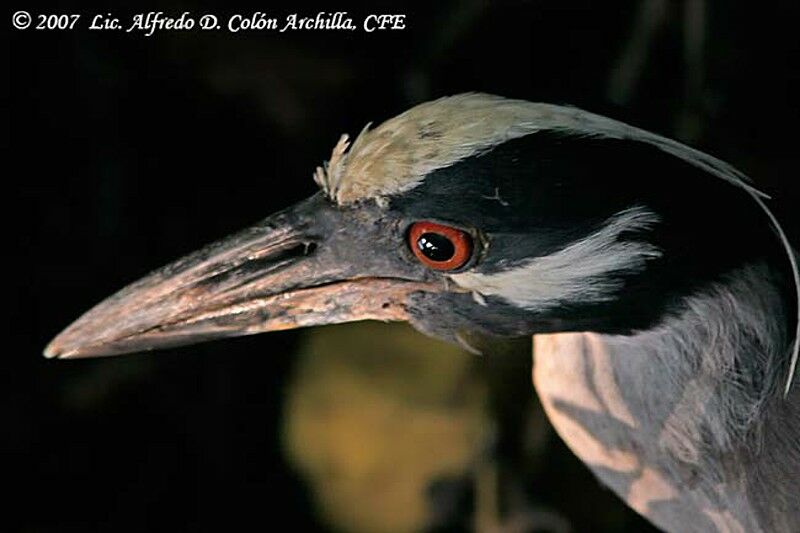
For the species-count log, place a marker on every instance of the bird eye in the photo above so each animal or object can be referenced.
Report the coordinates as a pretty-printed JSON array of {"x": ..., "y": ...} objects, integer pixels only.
[{"x": 439, "y": 247}]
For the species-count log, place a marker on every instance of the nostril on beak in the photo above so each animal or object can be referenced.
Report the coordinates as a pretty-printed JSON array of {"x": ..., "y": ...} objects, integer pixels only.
[{"x": 257, "y": 267}]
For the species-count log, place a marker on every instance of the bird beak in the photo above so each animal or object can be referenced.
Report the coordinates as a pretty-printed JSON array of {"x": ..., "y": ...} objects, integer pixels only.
[{"x": 291, "y": 270}]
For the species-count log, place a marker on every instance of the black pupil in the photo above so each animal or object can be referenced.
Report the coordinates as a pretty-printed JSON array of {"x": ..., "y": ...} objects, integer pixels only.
[{"x": 435, "y": 247}]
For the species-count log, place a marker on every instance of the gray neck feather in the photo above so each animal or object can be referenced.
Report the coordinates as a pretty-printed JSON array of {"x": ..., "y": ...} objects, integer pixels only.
[{"x": 707, "y": 389}]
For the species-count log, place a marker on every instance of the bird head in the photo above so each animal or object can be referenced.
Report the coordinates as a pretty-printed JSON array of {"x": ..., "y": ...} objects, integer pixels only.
[{"x": 468, "y": 214}]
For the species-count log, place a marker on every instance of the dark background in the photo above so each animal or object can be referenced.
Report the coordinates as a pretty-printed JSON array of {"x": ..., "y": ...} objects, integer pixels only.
[{"x": 128, "y": 151}]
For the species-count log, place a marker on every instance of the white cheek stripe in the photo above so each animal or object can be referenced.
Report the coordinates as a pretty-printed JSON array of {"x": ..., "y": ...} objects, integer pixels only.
[{"x": 586, "y": 270}]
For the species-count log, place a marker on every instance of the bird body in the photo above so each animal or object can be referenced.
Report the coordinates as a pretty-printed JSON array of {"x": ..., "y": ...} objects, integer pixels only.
[{"x": 666, "y": 331}]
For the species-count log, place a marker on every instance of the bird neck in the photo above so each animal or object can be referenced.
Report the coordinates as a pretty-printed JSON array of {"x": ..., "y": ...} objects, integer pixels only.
[
  {"x": 705, "y": 387},
  {"x": 686, "y": 421},
  {"x": 726, "y": 351}
]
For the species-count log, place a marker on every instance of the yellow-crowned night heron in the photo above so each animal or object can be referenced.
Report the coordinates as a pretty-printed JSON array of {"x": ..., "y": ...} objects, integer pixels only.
[{"x": 661, "y": 290}]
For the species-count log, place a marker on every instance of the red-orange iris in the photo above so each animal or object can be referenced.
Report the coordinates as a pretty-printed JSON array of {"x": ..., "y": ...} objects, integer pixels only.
[{"x": 439, "y": 247}]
